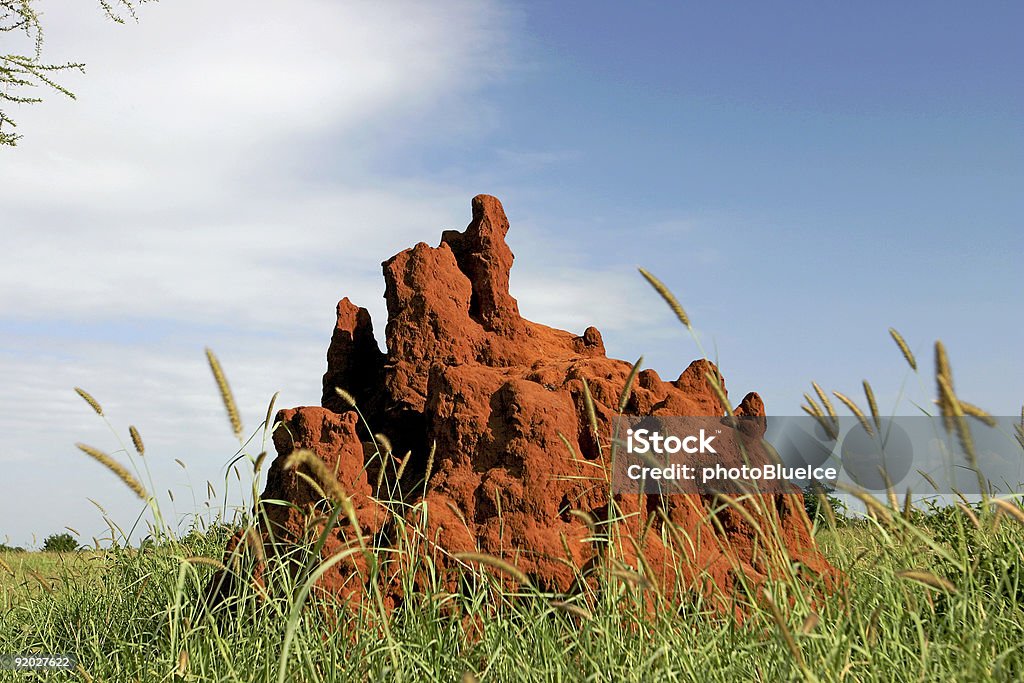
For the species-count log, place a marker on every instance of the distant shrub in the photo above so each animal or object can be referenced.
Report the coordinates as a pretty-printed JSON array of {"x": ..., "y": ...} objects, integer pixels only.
[
  {"x": 60, "y": 543},
  {"x": 816, "y": 497},
  {"x": 4, "y": 548}
]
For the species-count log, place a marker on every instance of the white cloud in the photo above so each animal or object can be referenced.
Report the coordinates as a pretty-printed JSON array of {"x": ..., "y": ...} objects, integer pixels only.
[{"x": 185, "y": 199}]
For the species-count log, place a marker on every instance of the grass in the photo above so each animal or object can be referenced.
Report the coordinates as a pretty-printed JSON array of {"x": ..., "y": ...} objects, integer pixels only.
[
  {"x": 135, "y": 615},
  {"x": 933, "y": 594}
]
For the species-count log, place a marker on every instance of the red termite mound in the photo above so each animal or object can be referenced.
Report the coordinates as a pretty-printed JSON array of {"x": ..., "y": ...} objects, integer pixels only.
[{"x": 516, "y": 471}]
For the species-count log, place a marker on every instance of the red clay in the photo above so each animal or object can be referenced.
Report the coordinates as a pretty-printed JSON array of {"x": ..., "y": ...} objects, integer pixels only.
[{"x": 496, "y": 394}]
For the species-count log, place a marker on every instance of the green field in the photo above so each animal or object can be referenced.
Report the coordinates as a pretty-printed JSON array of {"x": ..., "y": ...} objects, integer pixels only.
[{"x": 135, "y": 615}]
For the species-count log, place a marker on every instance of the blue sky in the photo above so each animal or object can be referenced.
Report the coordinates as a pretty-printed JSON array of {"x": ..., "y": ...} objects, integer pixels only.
[{"x": 802, "y": 175}]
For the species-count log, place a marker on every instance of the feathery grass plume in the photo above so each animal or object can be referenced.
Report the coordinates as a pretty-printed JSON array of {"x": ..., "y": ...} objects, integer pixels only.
[
  {"x": 182, "y": 667},
  {"x": 632, "y": 578},
  {"x": 225, "y": 394},
  {"x": 140, "y": 448},
  {"x": 267, "y": 424},
  {"x": 668, "y": 296},
  {"x": 908, "y": 504},
  {"x": 495, "y": 563},
  {"x": 628, "y": 389},
  {"x": 401, "y": 465},
  {"x": 825, "y": 423},
  {"x": 586, "y": 517},
  {"x": 323, "y": 474},
  {"x": 384, "y": 441},
  {"x": 959, "y": 420},
  {"x": 346, "y": 397},
  {"x": 208, "y": 561},
  {"x": 824, "y": 505},
  {"x": 946, "y": 397},
  {"x": 904, "y": 348},
  {"x": 117, "y": 468},
  {"x": 87, "y": 397},
  {"x": 831, "y": 411},
  {"x": 880, "y": 511},
  {"x": 812, "y": 406},
  {"x": 570, "y": 608},
  {"x": 810, "y": 622},
  {"x": 977, "y": 413},
  {"x": 43, "y": 581},
  {"x": 928, "y": 478},
  {"x": 927, "y": 579},
  {"x": 848, "y": 402},
  {"x": 259, "y": 461},
  {"x": 969, "y": 513},
  {"x": 872, "y": 405},
  {"x": 716, "y": 386},
  {"x": 6, "y": 567},
  {"x": 430, "y": 462},
  {"x": 1009, "y": 508}
]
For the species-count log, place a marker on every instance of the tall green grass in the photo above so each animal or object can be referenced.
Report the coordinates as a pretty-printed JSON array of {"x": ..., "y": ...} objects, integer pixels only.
[{"x": 930, "y": 594}]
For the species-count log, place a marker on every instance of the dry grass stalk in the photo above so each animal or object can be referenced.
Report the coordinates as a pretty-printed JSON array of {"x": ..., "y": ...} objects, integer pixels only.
[
  {"x": 495, "y": 563},
  {"x": 812, "y": 406},
  {"x": 810, "y": 623},
  {"x": 944, "y": 383},
  {"x": 904, "y": 348},
  {"x": 267, "y": 424},
  {"x": 117, "y": 468},
  {"x": 570, "y": 608},
  {"x": 825, "y": 423},
  {"x": 385, "y": 442},
  {"x": 977, "y": 413},
  {"x": 927, "y": 579},
  {"x": 225, "y": 393},
  {"x": 1009, "y": 508},
  {"x": 787, "y": 635},
  {"x": 668, "y": 296},
  {"x": 87, "y": 397},
  {"x": 628, "y": 389},
  {"x": 331, "y": 487},
  {"x": 182, "y": 667},
  {"x": 825, "y": 402},
  {"x": 825, "y": 506},
  {"x": 928, "y": 478},
  {"x": 208, "y": 561},
  {"x": 430, "y": 462},
  {"x": 716, "y": 386},
  {"x": 401, "y": 466},
  {"x": 848, "y": 402},
  {"x": 140, "y": 448},
  {"x": 969, "y": 513},
  {"x": 958, "y": 419}
]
